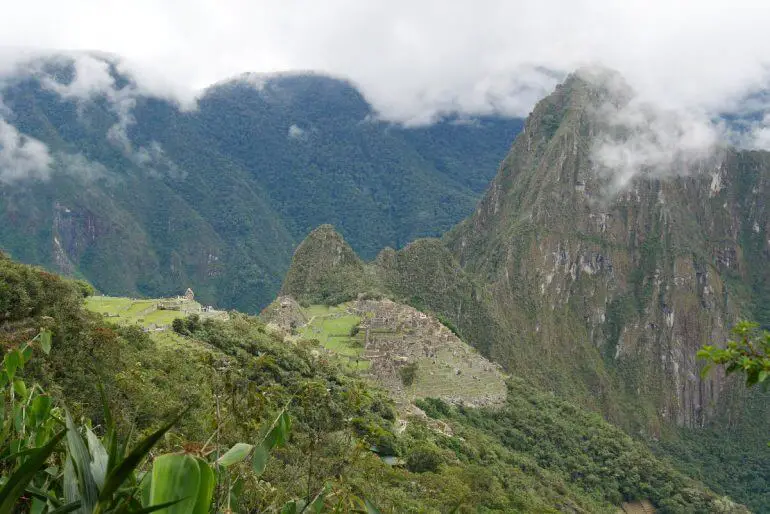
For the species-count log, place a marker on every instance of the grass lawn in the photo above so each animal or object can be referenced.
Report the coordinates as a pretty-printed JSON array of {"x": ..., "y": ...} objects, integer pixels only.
[
  {"x": 129, "y": 311},
  {"x": 331, "y": 326}
]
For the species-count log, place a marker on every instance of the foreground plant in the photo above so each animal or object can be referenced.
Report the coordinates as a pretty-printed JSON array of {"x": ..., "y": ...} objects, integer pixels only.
[
  {"x": 50, "y": 465},
  {"x": 748, "y": 353}
]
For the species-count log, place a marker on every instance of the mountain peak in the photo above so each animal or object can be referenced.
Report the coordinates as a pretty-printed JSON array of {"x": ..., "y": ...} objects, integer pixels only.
[{"x": 324, "y": 269}]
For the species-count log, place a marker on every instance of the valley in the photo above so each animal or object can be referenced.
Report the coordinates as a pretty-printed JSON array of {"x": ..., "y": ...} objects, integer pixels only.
[{"x": 534, "y": 353}]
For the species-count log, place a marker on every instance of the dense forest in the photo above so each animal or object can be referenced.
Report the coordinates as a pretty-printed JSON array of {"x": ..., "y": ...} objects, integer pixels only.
[
  {"x": 230, "y": 379},
  {"x": 141, "y": 196}
]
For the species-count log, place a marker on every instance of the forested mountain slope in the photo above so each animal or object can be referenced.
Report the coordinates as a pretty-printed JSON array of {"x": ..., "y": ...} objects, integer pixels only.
[
  {"x": 601, "y": 294},
  {"x": 533, "y": 454},
  {"x": 143, "y": 196}
]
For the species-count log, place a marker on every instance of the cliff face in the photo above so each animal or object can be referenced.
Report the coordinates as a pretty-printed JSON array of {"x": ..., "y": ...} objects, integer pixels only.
[
  {"x": 600, "y": 293},
  {"x": 618, "y": 288}
]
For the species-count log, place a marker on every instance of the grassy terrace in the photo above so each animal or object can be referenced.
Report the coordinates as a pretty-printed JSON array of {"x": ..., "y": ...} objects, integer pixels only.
[
  {"x": 143, "y": 312},
  {"x": 332, "y": 327}
]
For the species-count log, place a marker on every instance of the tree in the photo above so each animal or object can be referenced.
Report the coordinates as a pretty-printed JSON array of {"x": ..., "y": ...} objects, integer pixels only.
[
  {"x": 748, "y": 353},
  {"x": 409, "y": 373}
]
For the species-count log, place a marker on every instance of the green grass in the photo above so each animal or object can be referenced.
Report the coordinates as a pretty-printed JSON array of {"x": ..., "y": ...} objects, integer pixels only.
[
  {"x": 108, "y": 304},
  {"x": 143, "y": 312},
  {"x": 331, "y": 326}
]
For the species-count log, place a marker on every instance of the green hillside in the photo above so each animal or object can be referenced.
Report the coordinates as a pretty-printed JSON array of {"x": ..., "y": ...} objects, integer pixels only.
[
  {"x": 536, "y": 454},
  {"x": 601, "y": 301},
  {"x": 144, "y": 198}
]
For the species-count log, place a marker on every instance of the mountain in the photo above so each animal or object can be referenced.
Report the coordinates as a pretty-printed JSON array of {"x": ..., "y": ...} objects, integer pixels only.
[
  {"x": 603, "y": 294},
  {"x": 228, "y": 377},
  {"x": 142, "y": 196}
]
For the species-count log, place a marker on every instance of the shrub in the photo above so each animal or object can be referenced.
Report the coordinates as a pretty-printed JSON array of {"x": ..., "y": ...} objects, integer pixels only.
[
  {"x": 424, "y": 458},
  {"x": 408, "y": 373}
]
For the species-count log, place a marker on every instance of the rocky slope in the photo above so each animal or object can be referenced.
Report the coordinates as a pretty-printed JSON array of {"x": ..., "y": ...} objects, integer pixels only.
[
  {"x": 633, "y": 281},
  {"x": 600, "y": 292}
]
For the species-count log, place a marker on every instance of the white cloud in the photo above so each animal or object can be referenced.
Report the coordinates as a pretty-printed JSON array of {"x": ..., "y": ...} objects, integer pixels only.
[
  {"x": 79, "y": 166},
  {"x": 640, "y": 138},
  {"x": 417, "y": 59},
  {"x": 22, "y": 157},
  {"x": 93, "y": 76},
  {"x": 686, "y": 60},
  {"x": 296, "y": 132}
]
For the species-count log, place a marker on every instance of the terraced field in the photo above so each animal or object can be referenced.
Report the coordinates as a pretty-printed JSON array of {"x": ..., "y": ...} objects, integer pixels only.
[
  {"x": 332, "y": 327},
  {"x": 390, "y": 336},
  {"x": 145, "y": 312}
]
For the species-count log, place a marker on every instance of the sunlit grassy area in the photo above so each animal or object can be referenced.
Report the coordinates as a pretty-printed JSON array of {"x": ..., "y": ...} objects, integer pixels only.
[
  {"x": 332, "y": 327},
  {"x": 145, "y": 312}
]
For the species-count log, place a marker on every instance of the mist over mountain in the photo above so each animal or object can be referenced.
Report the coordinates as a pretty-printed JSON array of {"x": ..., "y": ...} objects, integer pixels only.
[
  {"x": 600, "y": 280},
  {"x": 144, "y": 195}
]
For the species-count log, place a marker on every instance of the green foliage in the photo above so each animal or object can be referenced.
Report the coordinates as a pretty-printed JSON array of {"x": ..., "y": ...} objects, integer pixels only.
[
  {"x": 98, "y": 479},
  {"x": 737, "y": 465},
  {"x": 222, "y": 214},
  {"x": 183, "y": 480},
  {"x": 571, "y": 449},
  {"x": 749, "y": 353},
  {"x": 408, "y": 373},
  {"x": 248, "y": 393},
  {"x": 424, "y": 458}
]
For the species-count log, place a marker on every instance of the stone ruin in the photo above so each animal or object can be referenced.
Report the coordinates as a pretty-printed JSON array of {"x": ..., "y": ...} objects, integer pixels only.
[
  {"x": 285, "y": 313},
  {"x": 189, "y": 295},
  {"x": 396, "y": 335}
]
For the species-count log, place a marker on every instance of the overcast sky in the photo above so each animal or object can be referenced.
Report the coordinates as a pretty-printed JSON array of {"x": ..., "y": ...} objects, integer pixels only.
[{"x": 413, "y": 58}]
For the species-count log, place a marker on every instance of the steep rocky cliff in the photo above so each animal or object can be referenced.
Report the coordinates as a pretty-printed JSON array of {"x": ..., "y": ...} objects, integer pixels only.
[
  {"x": 598, "y": 289},
  {"x": 620, "y": 286}
]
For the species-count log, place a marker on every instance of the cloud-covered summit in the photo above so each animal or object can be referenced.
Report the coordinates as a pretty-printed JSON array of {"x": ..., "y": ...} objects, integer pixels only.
[
  {"x": 692, "y": 65},
  {"x": 416, "y": 60}
]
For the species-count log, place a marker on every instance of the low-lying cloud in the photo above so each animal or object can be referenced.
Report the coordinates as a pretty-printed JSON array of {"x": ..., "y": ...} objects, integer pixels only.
[
  {"x": 83, "y": 77},
  {"x": 21, "y": 156},
  {"x": 417, "y": 60},
  {"x": 689, "y": 62},
  {"x": 638, "y": 138}
]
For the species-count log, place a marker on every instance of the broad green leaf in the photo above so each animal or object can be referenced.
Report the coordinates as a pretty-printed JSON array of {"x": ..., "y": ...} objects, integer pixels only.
[
  {"x": 70, "y": 485},
  {"x": 145, "y": 483},
  {"x": 259, "y": 459},
  {"x": 45, "y": 341},
  {"x": 13, "y": 360},
  {"x": 20, "y": 387},
  {"x": 236, "y": 454},
  {"x": 205, "y": 488},
  {"x": 127, "y": 466},
  {"x": 18, "y": 416},
  {"x": 26, "y": 354},
  {"x": 19, "y": 480},
  {"x": 37, "y": 507},
  {"x": 99, "y": 458},
  {"x": 81, "y": 459},
  {"x": 236, "y": 490},
  {"x": 293, "y": 507},
  {"x": 175, "y": 477},
  {"x": 40, "y": 408}
]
